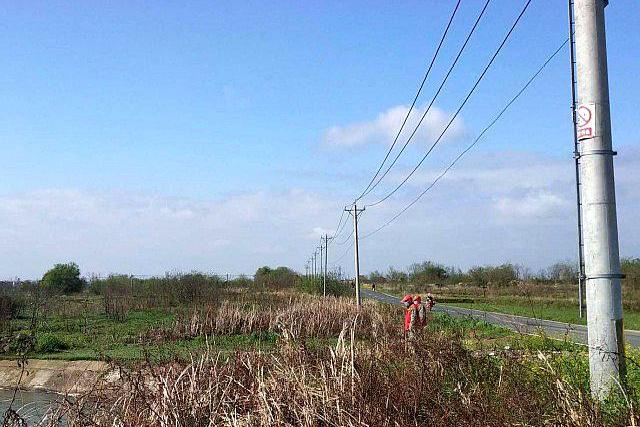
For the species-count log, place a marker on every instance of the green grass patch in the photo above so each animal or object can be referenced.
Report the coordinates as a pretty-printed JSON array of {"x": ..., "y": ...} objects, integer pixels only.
[
  {"x": 480, "y": 335},
  {"x": 541, "y": 309},
  {"x": 180, "y": 349},
  {"x": 99, "y": 337}
]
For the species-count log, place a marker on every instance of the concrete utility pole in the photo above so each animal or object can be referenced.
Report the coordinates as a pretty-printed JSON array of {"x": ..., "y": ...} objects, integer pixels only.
[
  {"x": 321, "y": 258},
  {"x": 602, "y": 260},
  {"x": 354, "y": 211},
  {"x": 306, "y": 270},
  {"x": 314, "y": 266},
  {"x": 326, "y": 257}
]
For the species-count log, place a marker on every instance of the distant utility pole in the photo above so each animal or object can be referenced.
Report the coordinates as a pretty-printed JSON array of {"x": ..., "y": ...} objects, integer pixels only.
[
  {"x": 315, "y": 267},
  {"x": 576, "y": 156},
  {"x": 326, "y": 257},
  {"x": 601, "y": 253},
  {"x": 321, "y": 258},
  {"x": 354, "y": 211},
  {"x": 306, "y": 270}
]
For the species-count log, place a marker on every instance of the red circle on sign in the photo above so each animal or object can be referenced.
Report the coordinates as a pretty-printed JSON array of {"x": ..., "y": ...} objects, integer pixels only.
[{"x": 584, "y": 116}]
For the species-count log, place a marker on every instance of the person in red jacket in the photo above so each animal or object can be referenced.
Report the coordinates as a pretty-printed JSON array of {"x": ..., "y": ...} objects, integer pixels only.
[{"x": 410, "y": 316}]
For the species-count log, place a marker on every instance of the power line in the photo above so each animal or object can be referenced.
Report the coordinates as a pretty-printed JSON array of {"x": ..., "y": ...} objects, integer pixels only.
[
  {"x": 498, "y": 116},
  {"x": 345, "y": 240},
  {"x": 433, "y": 99},
  {"x": 466, "y": 99},
  {"x": 348, "y": 238},
  {"x": 341, "y": 256},
  {"x": 424, "y": 79},
  {"x": 338, "y": 230}
]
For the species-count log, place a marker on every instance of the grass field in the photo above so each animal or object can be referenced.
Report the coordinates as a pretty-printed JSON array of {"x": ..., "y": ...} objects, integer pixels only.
[
  {"x": 263, "y": 356},
  {"x": 289, "y": 357},
  {"x": 139, "y": 334},
  {"x": 160, "y": 334},
  {"x": 98, "y": 337}
]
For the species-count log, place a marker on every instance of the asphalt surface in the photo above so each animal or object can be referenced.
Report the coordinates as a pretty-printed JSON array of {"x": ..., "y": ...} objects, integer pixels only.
[{"x": 524, "y": 325}]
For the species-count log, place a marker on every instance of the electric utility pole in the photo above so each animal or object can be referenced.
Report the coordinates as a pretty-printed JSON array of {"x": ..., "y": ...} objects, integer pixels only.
[
  {"x": 326, "y": 258},
  {"x": 601, "y": 253},
  {"x": 321, "y": 258},
  {"x": 315, "y": 267},
  {"x": 354, "y": 211},
  {"x": 306, "y": 270}
]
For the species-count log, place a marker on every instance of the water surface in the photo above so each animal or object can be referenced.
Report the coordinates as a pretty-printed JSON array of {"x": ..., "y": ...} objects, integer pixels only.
[{"x": 30, "y": 405}]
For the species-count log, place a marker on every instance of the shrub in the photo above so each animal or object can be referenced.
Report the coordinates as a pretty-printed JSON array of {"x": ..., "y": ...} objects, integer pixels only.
[
  {"x": 631, "y": 267},
  {"x": 376, "y": 277},
  {"x": 335, "y": 287},
  {"x": 63, "y": 279},
  {"x": 281, "y": 277},
  {"x": 396, "y": 276},
  {"x": 564, "y": 272},
  {"x": 240, "y": 281},
  {"x": 9, "y": 307},
  {"x": 427, "y": 272},
  {"x": 123, "y": 293},
  {"x": 501, "y": 275},
  {"x": 20, "y": 344},
  {"x": 50, "y": 343},
  {"x": 96, "y": 285}
]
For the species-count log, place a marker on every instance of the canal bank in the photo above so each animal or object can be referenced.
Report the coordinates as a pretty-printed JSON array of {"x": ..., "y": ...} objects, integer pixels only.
[{"x": 58, "y": 376}]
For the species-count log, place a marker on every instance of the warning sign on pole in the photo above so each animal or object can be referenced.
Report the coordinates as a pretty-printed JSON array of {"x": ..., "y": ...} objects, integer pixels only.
[{"x": 586, "y": 121}]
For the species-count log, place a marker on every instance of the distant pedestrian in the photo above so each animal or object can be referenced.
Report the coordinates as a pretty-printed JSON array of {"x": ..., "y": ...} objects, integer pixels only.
[
  {"x": 421, "y": 311},
  {"x": 373, "y": 286},
  {"x": 410, "y": 316}
]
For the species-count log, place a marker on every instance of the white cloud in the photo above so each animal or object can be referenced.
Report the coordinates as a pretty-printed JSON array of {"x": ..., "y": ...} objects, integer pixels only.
[
  {"x": 320, "y": 232},
  {"x": 535, "y": 205},
  {"x": 124, "y": 232},
  {"x": 517, "y": 207},
  {"x": 504, "y": 173},
  {"x": 507, "y": 207},
  {"x": 383, "y": 129}
]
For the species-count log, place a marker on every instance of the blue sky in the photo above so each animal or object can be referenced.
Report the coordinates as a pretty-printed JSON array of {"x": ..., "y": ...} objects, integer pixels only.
[{"x": 143, "y": 137}]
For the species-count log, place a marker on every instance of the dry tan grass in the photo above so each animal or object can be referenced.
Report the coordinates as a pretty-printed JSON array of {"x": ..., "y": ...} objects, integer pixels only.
[
  {"x": 365, "y": 375},
  {"x": 293, "y": 316},
  {"x": 381, "y": 380},
  {"x": 431, "y": 381}
]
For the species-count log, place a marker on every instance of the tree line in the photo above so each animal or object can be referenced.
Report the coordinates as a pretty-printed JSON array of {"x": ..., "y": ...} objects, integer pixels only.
[{"x": 429, "y": 272}]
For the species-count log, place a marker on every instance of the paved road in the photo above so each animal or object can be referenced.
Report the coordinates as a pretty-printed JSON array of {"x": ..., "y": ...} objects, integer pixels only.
[{"x": 525, "y": 325}]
